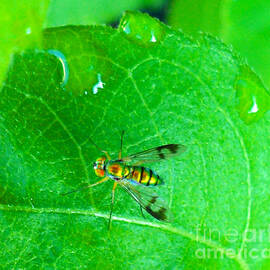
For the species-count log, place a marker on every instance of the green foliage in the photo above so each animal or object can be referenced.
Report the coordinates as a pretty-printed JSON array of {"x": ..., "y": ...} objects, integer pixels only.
[
  {"x": 94, "y": 11},
  {"x": 160, "y": 86},
  {"x": 242, "y": 23}
]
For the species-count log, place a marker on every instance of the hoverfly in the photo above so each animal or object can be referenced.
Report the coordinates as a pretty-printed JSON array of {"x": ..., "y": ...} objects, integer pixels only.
[{"x": 127, "y": 173}]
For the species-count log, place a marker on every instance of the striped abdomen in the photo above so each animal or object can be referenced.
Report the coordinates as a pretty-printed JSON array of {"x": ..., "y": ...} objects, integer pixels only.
[{"x": 144, "y": 176}]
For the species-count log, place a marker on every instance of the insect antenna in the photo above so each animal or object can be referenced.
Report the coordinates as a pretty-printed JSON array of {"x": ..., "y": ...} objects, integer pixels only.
[
  {"x": 121, "y": 145},
  {"x": 105, "y": 152},
  {"x": 95, "y": 145}
]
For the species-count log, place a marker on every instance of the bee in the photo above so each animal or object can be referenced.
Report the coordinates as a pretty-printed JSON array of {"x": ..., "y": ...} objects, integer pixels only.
[{"x": 128, "y": 173}]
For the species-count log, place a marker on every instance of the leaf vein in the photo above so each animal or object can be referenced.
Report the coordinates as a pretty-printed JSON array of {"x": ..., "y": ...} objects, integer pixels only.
[{"x": 167, "y": 228}]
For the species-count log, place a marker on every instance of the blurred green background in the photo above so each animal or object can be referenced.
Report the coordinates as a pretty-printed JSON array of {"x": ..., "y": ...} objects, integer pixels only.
[{"x": 244, "y": 24}]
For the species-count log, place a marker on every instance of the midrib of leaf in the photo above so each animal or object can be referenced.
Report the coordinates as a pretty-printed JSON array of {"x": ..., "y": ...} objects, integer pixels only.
[{"x": 163, "y": 227}]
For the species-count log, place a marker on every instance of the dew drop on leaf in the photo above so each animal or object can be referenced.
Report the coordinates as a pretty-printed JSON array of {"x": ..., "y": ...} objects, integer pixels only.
[
  {"x": 98, "y": 85},
  {"x": 28, "y": 31},
  {"x": 147, "y": 32},
  {"x": 61, "y": 57},
  {"x": 253, "y": 98}
]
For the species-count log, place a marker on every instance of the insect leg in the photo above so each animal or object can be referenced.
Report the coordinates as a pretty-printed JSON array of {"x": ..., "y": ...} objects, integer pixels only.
[
  {"x": 95, "y": 184},
  {"x": 99, "y": 182},
  {"x": 112, "y": 203},
  {"x": 120, "y": 152}
]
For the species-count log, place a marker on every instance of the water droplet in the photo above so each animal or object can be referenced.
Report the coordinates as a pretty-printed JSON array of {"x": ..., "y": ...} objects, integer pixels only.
[
  {"x": 126, "y": 28},
  {"x": 28, "y": 31},
  {"x": 253, "y": 97},
  {"x": 141, "y": 28},
  {"x": 98, "y": 85},
  {"x": 254, "y": 107},
  {"x": 61, "y": 57},
  {"x": 153, "y": 38}
]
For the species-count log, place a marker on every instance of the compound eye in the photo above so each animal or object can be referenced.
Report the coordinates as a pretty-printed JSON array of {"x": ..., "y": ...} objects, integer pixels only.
[{"x": 95, "y": 165}]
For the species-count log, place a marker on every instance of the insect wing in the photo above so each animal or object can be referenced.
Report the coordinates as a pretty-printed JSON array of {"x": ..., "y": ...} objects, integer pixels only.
[
  {"x": 155, "y": 154},
  {"x": 149, "y": 201}
]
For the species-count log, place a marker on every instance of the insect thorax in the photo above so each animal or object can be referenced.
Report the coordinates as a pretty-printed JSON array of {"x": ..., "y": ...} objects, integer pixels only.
[{"x": 117, "y": 170}]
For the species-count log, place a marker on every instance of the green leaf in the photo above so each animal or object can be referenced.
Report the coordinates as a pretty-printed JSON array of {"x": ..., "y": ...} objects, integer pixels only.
[
  {"x": 160, "y": 86},
  {"x": 94, "y": 11},
  {"x": 21, "y": 26},
  {"x": 242, "y": 23}
]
